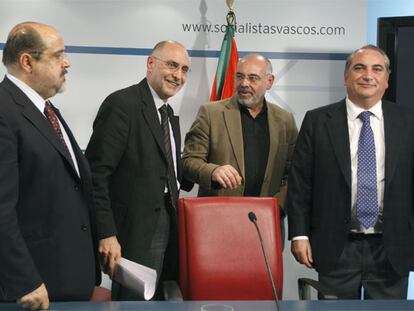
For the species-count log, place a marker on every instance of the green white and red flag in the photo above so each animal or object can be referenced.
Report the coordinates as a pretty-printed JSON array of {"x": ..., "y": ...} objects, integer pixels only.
[{"x": 223, "y": 86}]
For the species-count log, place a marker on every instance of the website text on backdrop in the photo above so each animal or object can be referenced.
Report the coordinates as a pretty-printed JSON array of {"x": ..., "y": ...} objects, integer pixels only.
[{"x": 350, "y": 203}]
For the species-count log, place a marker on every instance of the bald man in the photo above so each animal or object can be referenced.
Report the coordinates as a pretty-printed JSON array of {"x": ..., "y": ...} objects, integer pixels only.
[
  {"x": 136, "y": 174},
  {"x": 46, "y": 216},
  {"x": 242, "y": 146}
]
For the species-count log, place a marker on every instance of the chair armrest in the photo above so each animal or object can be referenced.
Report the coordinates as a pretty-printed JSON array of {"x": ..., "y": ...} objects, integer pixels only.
[
  {"x": 305, "y": 284},
  {"x": 172, "y": 291}
]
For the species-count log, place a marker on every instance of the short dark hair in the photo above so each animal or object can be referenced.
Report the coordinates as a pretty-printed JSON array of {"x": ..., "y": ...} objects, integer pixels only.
[
  {"x": 367, "y": 47},
  {"x": 23, "y": 38}
]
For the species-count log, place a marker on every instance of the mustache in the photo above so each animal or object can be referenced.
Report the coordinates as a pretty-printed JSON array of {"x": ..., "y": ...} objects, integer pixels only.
[{"x": 245, "y": 88}]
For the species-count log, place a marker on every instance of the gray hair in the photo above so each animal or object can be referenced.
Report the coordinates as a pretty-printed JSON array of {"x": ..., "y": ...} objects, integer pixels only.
[
  {"x": 160, "y": 45},
  {"x": 269, "y": 68}
]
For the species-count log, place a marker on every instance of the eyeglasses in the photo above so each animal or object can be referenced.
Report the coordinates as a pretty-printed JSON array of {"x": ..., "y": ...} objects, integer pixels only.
[
  {"x": 174, "y": 66},
  {"x": 252, "y": 78},
  {"x": 59, "y": 55}
]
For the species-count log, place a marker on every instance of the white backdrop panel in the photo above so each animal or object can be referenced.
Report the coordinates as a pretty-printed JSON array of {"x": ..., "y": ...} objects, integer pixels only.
[{"x": 303, "y": 80}]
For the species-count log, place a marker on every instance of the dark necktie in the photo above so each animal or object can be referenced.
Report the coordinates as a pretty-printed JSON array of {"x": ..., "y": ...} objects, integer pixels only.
[
  {"x": 367, "y": 199},
  {"x": 172, "y": 180},
  {"x": 51, "y": 116}
]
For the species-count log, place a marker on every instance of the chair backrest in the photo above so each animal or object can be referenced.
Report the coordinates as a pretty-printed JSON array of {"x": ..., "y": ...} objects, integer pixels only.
[
  {"x": 220, "y": 252},
  {"x": 101, "y": 294}
]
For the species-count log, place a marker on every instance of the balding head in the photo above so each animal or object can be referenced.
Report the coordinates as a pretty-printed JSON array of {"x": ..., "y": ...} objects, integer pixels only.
[
  {"x": 167, "y": 68},
  {"x": 255, "y": 57},
  {"x": 35, "y": 54},
  {"x": 23, "y": 38},
  {"x": 253, "y": 78}
]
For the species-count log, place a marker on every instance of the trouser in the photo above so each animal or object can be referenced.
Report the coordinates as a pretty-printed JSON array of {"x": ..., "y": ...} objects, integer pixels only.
[
  {"x": 363, "y": 263},
  {"x": 161, "y": 256}
]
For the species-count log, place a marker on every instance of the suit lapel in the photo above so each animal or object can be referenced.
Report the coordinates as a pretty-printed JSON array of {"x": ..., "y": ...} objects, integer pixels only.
[
  {"x": 274, "y": 133},
  {"x": 76, "y": 150},
  {"x": 337, "y": 127},
  {"x": 393, "y": 127},
  {"x": 232, "y": 122},
  {"x": 175, "y": 124},
  {"x": 151, "y": 116},
  {"x": 34, "y": 116}
]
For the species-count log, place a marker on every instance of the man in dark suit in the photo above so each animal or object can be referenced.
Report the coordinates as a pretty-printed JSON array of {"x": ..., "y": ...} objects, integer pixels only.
[
  {"x": 46, "y": 214},
  {"x": 350, "y": 201},
  {"x": 134, "y": 153}
]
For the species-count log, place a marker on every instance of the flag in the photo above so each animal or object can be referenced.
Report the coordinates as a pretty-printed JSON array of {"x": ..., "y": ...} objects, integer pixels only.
[{"x": 223, "y": 86}]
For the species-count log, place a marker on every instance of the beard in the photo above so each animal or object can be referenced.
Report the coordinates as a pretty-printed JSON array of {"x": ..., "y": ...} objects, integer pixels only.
[
  {"x": 248, "y": 102},
  {"x": 62, "y": 88}
]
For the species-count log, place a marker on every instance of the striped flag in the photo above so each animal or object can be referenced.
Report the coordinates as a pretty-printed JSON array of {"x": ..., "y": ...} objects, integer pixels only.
[{"x": 223, "y": 86}]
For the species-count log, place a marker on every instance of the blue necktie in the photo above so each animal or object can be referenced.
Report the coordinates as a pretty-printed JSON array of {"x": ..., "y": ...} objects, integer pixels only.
[{"x": 367, "y": 199}]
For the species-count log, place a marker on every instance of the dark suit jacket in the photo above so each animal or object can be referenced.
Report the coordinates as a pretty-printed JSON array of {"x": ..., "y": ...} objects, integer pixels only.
[
  {"x": 319, "y": 194},
  {"x": 129, "y": 167},
  {"x": 45, "y": 208}
]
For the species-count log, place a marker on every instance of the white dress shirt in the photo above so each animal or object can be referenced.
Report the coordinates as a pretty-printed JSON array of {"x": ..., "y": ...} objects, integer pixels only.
[
  {"x": 158, "y": 104},
  {"x": 39, "y": 102},
  {"x": 354, "y": 130}
]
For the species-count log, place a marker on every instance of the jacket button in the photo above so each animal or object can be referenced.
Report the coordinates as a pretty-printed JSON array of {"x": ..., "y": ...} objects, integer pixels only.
[
  {"x": 84, "y": 227},
  {"x": 346, "y": 220},
  {"x": 76, "y": 187}
]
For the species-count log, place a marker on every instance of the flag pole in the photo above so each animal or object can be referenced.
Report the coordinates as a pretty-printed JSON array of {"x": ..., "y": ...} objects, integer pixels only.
[{"x": 223, "y": 86}]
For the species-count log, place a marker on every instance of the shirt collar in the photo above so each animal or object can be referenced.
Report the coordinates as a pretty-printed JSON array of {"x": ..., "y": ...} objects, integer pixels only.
[
  {"x": 36, "y": 99},
  {"x": 354, "y": 110},
  {"x": 246, "y": 110},
  {"x": 157, "y": 100}
]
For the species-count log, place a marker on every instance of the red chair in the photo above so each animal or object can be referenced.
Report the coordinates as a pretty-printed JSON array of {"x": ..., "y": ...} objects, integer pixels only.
[
  {"x": 220, "y": 253},
  {"x": 101, "y": 294}
]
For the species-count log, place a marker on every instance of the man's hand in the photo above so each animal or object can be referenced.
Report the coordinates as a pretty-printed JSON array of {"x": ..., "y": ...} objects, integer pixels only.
[
  {"x": 302, "y": 251},
  {"x": 227, "y": 176},
  {"x": 36, "y": 300},
  {"x": 110, "y": 253}
]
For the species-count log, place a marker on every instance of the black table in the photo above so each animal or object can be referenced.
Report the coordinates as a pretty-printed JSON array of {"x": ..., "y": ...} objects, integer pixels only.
[{"x": 287, "y": 305}]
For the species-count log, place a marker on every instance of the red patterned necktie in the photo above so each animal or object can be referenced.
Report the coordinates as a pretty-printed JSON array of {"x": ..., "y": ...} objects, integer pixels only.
[{"x": 51, "y": 116}]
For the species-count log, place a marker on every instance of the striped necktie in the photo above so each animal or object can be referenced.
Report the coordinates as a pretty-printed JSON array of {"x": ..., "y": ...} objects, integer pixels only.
[{"x": 172, "y": 180}]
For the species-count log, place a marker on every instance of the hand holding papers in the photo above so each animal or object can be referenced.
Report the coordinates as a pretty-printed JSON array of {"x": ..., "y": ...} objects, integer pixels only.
[{"x": 136, "y": 277}]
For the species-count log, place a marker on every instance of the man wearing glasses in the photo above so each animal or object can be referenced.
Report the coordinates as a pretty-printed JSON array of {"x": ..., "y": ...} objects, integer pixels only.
[
  {"x": 47, "y": 224},
  {"x": 242, "y": 146},
  {"x": 134, "y": 153}
]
